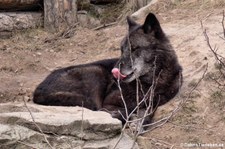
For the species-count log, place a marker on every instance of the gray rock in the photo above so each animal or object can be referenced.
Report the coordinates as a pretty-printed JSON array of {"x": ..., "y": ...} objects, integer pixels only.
[
  {"x": 63, "y": 127},
  {"x": 86, "y": 20},
  {"x": 11, "y": 21}
]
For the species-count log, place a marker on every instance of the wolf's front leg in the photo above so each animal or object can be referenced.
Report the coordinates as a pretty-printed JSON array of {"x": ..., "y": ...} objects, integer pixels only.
[{"x": 114, "y": 105}]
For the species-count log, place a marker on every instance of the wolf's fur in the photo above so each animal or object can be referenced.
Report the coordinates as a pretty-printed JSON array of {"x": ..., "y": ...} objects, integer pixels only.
[{"x": 146, "y": 55}]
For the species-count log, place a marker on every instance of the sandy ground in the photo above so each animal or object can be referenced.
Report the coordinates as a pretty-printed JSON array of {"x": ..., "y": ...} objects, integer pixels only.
[{"x": 28, "y": 57}]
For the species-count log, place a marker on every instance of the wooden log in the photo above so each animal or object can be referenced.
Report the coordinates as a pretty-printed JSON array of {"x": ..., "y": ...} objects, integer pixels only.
[
  {"x": 137, "y": 4},
  {"x": 59, "y": 14},
  {"x": 143, "y": 12},
  {"x": 11, "y": 21},
  {"x": 13, "y": 5}
]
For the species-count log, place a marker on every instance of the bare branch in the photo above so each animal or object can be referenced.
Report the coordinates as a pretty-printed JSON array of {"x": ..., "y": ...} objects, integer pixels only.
[
  {"x": 223, "y": 24},
  {"x": 82, "y": 121},
  {"x": 217, "y": 80},
  {"x": 213, "y": 50},
  {"x": 164, "y": 120},
  {"x": 121, "y": 94},
  {"x": 219, "y": 58},
  {"x": 105, "y": 25},
  {"x": 38, "y": 127}
]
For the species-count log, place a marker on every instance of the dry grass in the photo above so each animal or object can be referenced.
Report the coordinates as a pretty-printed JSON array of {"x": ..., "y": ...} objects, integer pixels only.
[
  {"x": 203, "y": 4},
  {"x": 164, "y": 5}
]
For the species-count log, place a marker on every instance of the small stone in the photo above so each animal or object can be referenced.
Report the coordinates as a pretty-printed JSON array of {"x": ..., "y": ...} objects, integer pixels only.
[
  {"x": 39, "y": 53},
  {"x": 26, "y": 98}
]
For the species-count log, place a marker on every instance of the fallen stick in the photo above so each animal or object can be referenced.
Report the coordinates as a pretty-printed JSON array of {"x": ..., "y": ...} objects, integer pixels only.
[
  {"x": 105, "y": 25},
  {"x": 142, "y": 12}
]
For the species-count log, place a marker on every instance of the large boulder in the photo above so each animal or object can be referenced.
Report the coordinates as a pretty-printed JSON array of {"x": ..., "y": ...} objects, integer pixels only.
[
  {"x": 86, "y": 20},
  {"x": 11, "y": 21},
  {"x": 35, "y": 126}
]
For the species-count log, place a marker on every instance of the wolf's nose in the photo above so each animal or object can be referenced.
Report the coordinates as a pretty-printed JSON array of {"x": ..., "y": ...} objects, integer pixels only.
[{"x": 116, "y": 73}]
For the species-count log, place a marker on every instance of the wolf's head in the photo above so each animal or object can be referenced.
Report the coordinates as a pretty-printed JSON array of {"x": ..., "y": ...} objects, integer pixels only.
[{"x": 139, "y": 49}]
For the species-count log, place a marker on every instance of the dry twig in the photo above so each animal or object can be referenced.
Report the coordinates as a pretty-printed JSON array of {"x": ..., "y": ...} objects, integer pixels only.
[
  {"x": 67, "y": 33},
  {"x": 213, "y": 50},
  {"x": 38, "y": 127},
  {"x": 223, "y": 25},
  {"x": 82, "y": 122},
  {"x": 164, "y": 120},
  {"x": 148, "y": 96},
  {"x": 219, "y": 58},
  {"x": 105, "y": 25}
]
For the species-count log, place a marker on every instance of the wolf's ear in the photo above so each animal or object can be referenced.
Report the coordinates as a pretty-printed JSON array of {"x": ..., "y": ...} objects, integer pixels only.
[
  {"x": 152, "y": 24},
  {"x": 131, "y": 23}
]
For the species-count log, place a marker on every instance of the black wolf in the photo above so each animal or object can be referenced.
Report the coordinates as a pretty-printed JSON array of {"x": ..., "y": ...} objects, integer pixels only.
[{"x": 147, "y": 57}]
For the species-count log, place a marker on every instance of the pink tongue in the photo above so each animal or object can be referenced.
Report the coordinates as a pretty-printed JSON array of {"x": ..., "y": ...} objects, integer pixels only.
[{"x": 116, "y": 73}]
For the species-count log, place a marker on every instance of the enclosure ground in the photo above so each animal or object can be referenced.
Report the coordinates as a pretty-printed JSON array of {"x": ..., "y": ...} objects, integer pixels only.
[{"x": 29, "y": 56}]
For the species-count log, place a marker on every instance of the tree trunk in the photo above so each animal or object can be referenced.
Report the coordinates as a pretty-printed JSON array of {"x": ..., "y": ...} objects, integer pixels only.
[
  {"x": 59, "y": 14},
  {"x": 137, "y": 4}
]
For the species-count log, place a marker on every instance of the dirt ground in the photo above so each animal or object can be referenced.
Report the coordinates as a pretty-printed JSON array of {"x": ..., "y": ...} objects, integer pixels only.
[{"x": 29, "y": 56}]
